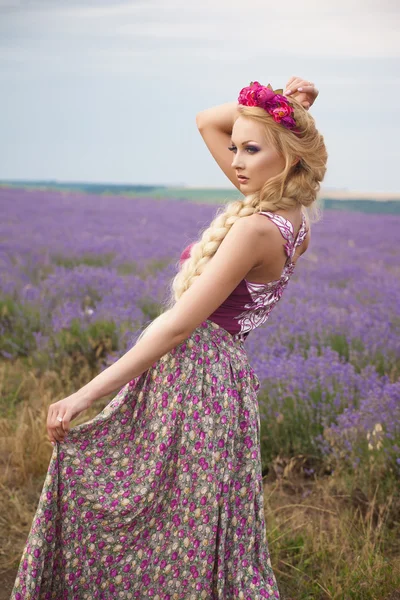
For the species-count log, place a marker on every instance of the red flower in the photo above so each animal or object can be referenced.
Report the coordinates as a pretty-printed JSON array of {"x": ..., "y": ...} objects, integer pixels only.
[{"x": 274, "y": 103}]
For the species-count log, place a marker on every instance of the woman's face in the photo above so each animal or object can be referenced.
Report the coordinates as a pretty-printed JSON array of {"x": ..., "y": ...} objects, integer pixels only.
[{"x": 253, "y": 156}]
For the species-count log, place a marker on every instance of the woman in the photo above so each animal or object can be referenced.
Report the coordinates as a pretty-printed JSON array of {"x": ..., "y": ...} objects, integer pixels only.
[{"x": 160, "y": 495}]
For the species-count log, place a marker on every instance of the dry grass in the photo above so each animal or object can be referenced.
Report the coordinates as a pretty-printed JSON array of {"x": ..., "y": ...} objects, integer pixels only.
[{"x": 330, "y": 541}]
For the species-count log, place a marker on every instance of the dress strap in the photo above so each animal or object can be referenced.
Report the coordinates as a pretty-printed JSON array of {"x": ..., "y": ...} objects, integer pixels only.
[
  {"x": 286, "y": 228},
  {"x": 301, "y": 236}
]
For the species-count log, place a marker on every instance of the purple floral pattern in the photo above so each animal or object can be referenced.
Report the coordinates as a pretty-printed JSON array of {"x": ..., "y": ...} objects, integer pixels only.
[
  {"x": 264, "y": 296},
  {"x": 159, "y": 495}
]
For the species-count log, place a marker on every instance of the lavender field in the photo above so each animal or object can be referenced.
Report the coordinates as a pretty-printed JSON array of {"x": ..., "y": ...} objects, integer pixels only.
[
  {"x": 328, "y": 358},
  {"x": 82, "y": 274}
]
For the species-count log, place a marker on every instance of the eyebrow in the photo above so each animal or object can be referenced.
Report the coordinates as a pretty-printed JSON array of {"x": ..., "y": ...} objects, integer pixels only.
[{"x": 243, "y": 143}]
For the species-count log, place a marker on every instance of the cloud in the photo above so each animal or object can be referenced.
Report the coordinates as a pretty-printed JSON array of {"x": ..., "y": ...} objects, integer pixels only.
[{"x": 347, "y": 28}]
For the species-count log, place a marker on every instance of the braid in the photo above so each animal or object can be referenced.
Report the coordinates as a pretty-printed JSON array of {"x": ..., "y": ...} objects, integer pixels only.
[{"x": 202, "y": 251}]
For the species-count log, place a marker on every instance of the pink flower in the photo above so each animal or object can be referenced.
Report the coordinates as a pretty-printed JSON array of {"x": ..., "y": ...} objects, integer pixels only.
[
  {"x": 283, "y": 110},
  {"x": 274, "y": 103},
  {"x": 265, "y": 95}
]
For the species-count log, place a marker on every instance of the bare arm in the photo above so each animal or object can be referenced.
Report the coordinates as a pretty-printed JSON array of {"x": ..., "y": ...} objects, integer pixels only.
[
  {"x": 215, "y": 124},
  {"x": 222, "y": 117},
  {"x": 156, "y": 342},
  {"x": 243, "y": 247}
]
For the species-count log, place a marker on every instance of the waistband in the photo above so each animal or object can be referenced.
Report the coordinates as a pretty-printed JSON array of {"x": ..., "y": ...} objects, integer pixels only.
[{"x": 237, "y": 337}]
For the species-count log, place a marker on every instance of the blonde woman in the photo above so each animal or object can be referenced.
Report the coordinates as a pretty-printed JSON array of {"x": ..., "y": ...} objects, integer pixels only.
[{"x": 160, "y": 495}]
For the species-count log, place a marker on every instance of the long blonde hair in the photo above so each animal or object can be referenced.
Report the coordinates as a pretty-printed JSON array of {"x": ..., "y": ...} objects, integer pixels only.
[{"x": 297, "y": 184}]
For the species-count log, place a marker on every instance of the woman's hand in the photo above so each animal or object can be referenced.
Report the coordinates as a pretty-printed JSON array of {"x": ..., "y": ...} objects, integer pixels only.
[
  {"x": 304, "y": 91},
  {"x": 67, "y": 409}
]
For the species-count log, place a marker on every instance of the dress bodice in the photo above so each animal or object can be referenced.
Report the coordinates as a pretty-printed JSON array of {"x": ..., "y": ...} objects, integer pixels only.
[{"x": 250, "y": 304}]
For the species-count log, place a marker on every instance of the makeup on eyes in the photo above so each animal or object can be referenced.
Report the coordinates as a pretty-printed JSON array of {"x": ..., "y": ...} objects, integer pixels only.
[{"x": 249, "y": 147}]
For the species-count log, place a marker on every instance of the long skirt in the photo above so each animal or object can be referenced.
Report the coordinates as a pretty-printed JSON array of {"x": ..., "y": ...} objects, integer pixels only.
[{"x": 159, "y": 495}]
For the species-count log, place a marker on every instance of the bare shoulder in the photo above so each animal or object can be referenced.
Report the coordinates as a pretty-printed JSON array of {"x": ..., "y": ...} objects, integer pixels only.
[
  {"x": 269, "y": 235},
  {"x": 250, "y": 224},
  {"x": 245, "y": 236},
  {"x": 271, "y": 238},
  {"x": 263, "y": 225}
]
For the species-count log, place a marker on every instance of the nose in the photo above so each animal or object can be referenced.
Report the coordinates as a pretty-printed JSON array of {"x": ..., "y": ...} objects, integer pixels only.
[{"x": 236, "y": 162}]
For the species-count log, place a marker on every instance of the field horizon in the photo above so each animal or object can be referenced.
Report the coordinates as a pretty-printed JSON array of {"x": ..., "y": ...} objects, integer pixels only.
[{"x": 334, "y": 193}]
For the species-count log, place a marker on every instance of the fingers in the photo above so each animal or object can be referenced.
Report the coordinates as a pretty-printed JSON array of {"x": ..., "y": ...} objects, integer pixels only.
[
  {"x": 306, "y": 88},
  {"x": 291, "y": 81},
  {"x": 301, "y": 86},
  {"x": 298, "y": 84},
  {"x": 49, "y": 425},
  {"x": 294, "y": 83},
  {"x": 56, "y": 429},
  {"x": 304, "y": 91},
  {"x": 310, "y": 92}
]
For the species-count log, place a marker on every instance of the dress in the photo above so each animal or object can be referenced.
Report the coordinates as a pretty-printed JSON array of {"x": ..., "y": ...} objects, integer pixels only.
[{"x": 160, "y": 495}]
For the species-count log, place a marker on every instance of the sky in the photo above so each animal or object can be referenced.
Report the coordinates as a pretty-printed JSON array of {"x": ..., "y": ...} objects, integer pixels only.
[{"x": 101, "y": 91}]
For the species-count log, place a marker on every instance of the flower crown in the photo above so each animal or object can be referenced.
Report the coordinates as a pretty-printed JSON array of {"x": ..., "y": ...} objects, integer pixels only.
[{"x": 270, "y": 100}]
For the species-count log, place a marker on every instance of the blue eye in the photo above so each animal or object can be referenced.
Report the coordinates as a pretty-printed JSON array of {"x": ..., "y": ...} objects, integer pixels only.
[{"x": 253, "y": 148}]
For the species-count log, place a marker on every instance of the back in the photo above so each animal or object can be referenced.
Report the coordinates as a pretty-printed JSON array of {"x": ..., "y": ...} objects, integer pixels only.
[{"x": 250, "y": 303}]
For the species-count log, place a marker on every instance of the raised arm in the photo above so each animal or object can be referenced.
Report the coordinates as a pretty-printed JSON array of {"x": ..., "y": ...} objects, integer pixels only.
[{"x": 215, "y": 124}]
